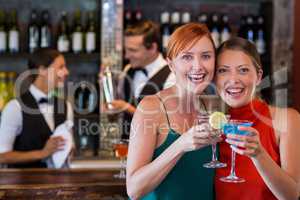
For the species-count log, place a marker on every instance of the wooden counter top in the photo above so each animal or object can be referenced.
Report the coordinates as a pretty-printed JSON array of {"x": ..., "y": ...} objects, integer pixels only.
[{"x": 59, "y": 184}]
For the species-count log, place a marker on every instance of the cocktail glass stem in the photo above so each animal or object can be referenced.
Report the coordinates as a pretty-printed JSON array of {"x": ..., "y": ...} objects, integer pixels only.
[
  {"x": 122, "y": 173},
  {"x": 214, "y": 152},
  {"x": 232, "y": 170}
]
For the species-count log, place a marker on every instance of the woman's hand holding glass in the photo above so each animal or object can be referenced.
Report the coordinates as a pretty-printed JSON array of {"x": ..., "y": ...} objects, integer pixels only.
[
  {"x": 197, "y": 137},
  {"x": 248, "y": 145}
]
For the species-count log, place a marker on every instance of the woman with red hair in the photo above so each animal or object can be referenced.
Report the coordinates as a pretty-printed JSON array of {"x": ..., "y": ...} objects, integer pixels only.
[{"x": 166, "y": 148}]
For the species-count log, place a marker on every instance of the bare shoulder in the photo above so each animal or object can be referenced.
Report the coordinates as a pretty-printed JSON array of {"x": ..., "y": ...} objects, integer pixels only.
[
  {"x": 285, "y": 119},
  {"x": 149, "y": 105},
  {"x": 147, "y": 112},
  {"x": 284, "y": 113}
]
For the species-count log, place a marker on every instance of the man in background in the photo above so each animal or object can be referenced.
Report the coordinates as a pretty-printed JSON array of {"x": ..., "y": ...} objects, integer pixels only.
[{"x": 147, "y": 71}]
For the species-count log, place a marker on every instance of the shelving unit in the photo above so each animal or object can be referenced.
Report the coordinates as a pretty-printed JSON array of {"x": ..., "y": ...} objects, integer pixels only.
[{"x": 81, "y": 65}]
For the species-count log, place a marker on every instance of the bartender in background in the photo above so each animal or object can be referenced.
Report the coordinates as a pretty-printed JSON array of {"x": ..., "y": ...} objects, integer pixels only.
[
  {"x": 28, "y": 121},
  {"x": 147, "y": 71}
]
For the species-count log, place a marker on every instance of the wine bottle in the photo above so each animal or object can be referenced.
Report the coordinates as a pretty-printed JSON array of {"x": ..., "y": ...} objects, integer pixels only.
[
  {"x": 249, "y": 28},
  {"x": 3, "y": 90},
  {"x": 165, "y": 29},
  {"x": 77, "y": 35},
  {"x": 175, "y": 21},
  {"x": 243, "y": 27},
  {"x": 33, "y": 32},
  {"x": 214, "y": 29},
  {"x": 90, "y": 43},
  {"x": 138, "y": 15},
  {"x": 127, "y": 18},
  {"x": 3, "y": 36},
  {"x": 185, "y": 17},
  {"x": 260, "y": 41},
  {"x": 225, "y": 29},
  {"x": 63, "y": 41},
  {"x": 13, "y": 33},
  {"x": 203, "y": 18},
  {"x": 45, "y": 30}
]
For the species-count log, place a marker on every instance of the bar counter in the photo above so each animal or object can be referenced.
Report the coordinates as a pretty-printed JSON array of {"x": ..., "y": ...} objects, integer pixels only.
[{"x": 45, "y": 184}]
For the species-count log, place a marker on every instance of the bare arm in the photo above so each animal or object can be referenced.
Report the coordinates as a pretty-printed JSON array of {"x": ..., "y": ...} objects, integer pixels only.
[
  {"x": 144, "y": 175},
  {"x": 53, "y": 144},
  {"x": 21, "y": 157},
  {"x": 282, "y": 181}
]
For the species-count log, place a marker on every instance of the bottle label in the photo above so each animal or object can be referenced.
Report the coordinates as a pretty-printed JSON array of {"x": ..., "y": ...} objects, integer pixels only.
[
  {"x": 90, "y": 42},
  {"x": 250, "y": 35},
  {"x": 77, "y": 41},
  {"x": 45, "y": 37},
  {"x": 63, "y": 44},
  {"x": 216, "y": 37},
  {"x": 13, "y": 41},
  {"x": 33, "y": 39},
  {"x": 2, "y": 41},
  {"x": 261, "y": 46},
  {"x": 225, "y": 35}
]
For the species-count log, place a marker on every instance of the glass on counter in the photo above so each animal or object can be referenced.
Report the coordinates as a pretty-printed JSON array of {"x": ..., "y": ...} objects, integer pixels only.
[{"x": 121, "y": 150}]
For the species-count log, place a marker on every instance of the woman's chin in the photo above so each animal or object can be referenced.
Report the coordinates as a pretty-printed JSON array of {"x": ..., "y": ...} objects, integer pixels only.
[{"x": 236, "y": 103}]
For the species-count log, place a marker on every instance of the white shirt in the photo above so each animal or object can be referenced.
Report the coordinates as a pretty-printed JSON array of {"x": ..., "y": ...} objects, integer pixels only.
[
  {"x": 140, "y": 79},
  {"x": 12, "y": 120}
]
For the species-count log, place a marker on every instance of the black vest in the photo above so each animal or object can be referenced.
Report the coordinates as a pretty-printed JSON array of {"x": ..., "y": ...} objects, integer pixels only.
[
  {"x": 153, "y": 85},
  {"x": 35, "y": 131}
]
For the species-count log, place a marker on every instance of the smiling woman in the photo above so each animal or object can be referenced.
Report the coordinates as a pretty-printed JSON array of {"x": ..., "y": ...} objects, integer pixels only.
[
  {"x": 270, "y": 162},
  {"x": 167, "y": 147}
]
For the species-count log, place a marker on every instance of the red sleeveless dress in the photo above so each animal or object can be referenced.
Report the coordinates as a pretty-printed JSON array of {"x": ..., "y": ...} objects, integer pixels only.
[{"x": 254, "y": 187}]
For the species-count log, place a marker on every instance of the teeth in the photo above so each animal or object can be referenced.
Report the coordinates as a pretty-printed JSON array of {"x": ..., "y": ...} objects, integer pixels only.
[
  {"x": 235, "y": 90},
  {"x": 196, "y": 76}
]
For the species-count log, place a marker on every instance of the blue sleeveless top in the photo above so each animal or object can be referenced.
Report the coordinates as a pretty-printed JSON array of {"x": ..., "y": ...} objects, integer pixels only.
[{"x": 188, "y": 179}]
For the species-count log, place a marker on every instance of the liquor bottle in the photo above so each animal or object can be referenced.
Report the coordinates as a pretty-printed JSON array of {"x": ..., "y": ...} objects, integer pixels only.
[
  {"x": 127, "y": 18},
  {"x": 13, "y": 33},
  {"x": 3, "y": 37},
  {"x": 250, "y": 28},
  {"x": 33, "y": 32},
  {"x": 3, "y": 90},
  {"x": 81, "y": 96},
  {"x": 185, "y": 17},
  {"x": 243, "y": 27},
  {"x": 260, "y": 41},
  {"x": 175, "y": 20},
  {"x": 90, "y": 43},
  {"x": 225, "y": 29},
  {"x": 63, "y": 41},
  {"x": 138, "y": 15},
  {"x": 77, "y": 35},
  {"x": 203, "y": 18},
  {"x": 92, "y": 101},
  {"x": 214, "y": 29},
  {"x": 165, "y": 29},
  {"x": 11, "y": 85},
  {"x": 45, "y": 30}
]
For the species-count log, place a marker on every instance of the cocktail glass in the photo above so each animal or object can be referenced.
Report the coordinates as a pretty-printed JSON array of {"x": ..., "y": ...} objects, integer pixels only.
[{"x": 232, "y": 128}]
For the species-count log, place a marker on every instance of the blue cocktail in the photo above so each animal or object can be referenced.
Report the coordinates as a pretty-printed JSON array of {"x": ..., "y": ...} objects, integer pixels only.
[{"x": 232, "y": 128}]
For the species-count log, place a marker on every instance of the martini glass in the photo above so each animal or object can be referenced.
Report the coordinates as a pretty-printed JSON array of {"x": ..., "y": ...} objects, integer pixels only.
[
  {"x": 214, "y": 163},
  {"x": 232, "y": 128}
]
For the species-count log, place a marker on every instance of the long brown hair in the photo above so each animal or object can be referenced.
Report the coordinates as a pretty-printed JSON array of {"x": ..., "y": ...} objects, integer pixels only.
[{"x": 247, "y": 47}]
